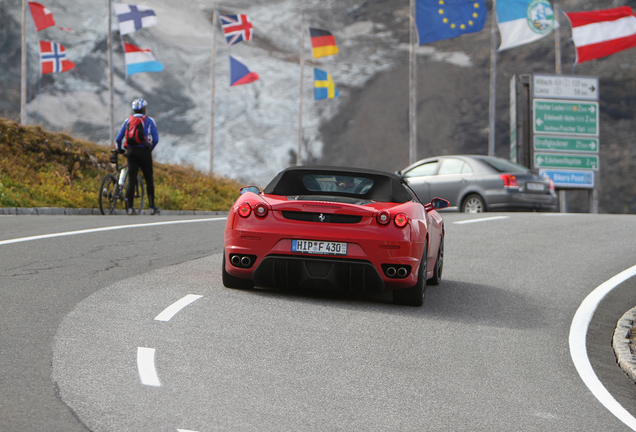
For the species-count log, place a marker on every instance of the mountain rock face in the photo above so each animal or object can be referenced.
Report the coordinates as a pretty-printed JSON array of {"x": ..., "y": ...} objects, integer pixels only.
[{"x": 257, "y": 125}]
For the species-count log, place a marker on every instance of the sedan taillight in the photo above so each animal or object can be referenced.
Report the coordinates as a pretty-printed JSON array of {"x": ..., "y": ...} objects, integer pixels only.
[
  {"x": 551, "y": 185},
  {"x": 509, "y": 180}
]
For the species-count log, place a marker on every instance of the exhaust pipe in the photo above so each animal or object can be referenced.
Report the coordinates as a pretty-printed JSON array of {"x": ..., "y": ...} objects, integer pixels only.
[
  {"x": 402, "y": 272},
  {"x": 236, "y": 260},
  {"x": 390, "y": 272},
  {"x": 246, "y": 261}
]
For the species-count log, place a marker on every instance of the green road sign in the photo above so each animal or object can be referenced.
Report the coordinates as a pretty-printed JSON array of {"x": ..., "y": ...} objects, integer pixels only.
[
  {"x": 565, "y": 144},
  {"x": 565, "y": 117},
  {"x": 570, "y": 161}
]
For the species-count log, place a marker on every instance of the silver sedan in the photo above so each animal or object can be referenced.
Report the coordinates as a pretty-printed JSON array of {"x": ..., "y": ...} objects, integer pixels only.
[{"x": 474, "y": 184}]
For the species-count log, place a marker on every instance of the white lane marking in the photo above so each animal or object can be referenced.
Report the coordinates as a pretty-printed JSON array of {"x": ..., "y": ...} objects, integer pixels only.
[
  {"x": 185, "y": 430},
  {"x": 146, "y": 366},
  {"x": 578, "y": 349},
  {"x": 172, "y": 310},
  {"x": 481, "y": 220},
  {"x": 111, "y": 228}
]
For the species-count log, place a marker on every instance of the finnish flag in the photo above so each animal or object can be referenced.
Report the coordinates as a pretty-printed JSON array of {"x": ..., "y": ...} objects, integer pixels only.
[{"x": 132, "y": 18}]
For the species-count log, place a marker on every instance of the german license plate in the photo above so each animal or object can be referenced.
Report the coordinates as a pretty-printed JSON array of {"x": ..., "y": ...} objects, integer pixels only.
[
  {"x": 319, "y": 247},
  {"x": 537, "y": 187}
]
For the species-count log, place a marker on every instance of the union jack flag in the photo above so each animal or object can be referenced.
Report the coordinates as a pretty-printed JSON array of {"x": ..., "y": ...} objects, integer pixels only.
[
  {"x": 53, "y": 58},
  {"x": 236, "y": 28}
]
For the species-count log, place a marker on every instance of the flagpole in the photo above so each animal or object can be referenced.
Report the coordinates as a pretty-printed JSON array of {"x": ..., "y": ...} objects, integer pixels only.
[
  {"x": 302, "y": 68},
  {"x": 557, "y": 41},
  {"x": 493, "y": 82},
  {"x": 412, "y": 88},
  {"x": 23, "y": 88},
  {"x": 111, "y": 104},
  {"x": 213, "y": 89}
]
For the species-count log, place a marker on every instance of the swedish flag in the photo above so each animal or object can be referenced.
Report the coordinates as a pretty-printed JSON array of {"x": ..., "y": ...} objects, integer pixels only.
[
  {"x": 444, "y": 19},
  {"x": 324, "y": 88}
]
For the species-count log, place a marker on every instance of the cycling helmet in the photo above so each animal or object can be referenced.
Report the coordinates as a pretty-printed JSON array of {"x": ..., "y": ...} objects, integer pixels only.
[{"x": 139, "y": 104}]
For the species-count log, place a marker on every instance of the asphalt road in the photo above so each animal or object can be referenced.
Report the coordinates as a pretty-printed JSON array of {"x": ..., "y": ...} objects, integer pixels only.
[{"x": 81, "y": 348}]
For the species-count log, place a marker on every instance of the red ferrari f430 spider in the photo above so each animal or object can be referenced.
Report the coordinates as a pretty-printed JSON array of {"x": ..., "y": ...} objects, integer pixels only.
[{"x": 331, "y": 227}]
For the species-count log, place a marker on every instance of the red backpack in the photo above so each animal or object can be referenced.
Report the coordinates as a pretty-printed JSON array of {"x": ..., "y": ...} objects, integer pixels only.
[{"x": 135, "y": 134}]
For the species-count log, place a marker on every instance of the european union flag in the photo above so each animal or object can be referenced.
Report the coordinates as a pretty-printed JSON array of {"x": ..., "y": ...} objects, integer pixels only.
[{"x": 444, "y": 19}]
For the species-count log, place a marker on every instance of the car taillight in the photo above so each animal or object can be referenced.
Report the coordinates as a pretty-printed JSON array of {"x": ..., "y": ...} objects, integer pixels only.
[
  {"x": 245, "y": 210},
  {"x": 401, "y": 220},
  {"x": 384, "y": 217},
  {"x": 509, "y": 180},
  {"x": 551, "y": 185},
  {"x": 260, "y": 210}
]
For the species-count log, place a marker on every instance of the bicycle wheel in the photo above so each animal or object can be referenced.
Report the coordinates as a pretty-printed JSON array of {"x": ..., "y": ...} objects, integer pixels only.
[{"x": 108, "y": 195}]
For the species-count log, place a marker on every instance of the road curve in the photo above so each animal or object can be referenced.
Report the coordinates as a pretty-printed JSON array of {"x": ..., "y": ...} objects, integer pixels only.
[{"x": 488, "y": 351}]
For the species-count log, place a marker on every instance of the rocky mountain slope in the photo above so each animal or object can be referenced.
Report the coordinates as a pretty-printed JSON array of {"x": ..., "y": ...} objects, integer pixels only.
[{"x": 257, "y": 124}]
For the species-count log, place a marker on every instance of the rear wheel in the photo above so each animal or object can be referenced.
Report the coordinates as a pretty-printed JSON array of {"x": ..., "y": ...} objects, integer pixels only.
[
  {"x": 439, "y": 264},
  {"x": 108, "y": 195},
  {"x": 413, "y": 296},
  {"x": 234, "y": 282},
  {"x": 473, "y": 204}
]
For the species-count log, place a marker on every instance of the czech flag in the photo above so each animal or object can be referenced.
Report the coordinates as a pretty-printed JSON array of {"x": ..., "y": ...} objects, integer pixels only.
[
  {"x": 42, "y": 16},
  {"x": 240, "y": 74},
  {"x": 53, "y": 58},
  {"x": 601, "y": 33},
  {"x": 140, "y": 60},
  {"x": 324, "y": 88},
  {"x": 322, "y": 43}
]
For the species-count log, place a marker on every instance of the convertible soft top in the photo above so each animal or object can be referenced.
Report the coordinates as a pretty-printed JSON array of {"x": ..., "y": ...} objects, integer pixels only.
[{"x": 339, "y": 181}]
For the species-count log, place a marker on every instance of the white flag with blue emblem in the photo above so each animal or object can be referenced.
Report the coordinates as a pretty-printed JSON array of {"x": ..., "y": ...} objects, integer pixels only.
[
  {"x": 132, "y": 18},
  {"x": 523, "y": 21}
]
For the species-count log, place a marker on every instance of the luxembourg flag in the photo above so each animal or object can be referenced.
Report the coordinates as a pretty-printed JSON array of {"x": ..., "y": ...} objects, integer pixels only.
[
  {"x": 600, "y": 33},
  {"x": 523, "y": 21},
  {"x": 140, "y": 60},
  {"x": 240, "y": 74}
]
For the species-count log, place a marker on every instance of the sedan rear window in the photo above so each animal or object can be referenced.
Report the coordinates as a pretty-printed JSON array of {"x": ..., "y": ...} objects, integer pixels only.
[{"x": 505, "y": 166}]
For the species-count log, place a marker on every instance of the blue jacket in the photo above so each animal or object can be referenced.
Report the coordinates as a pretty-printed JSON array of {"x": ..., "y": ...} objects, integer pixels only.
[{"x": 150, "y": 130}]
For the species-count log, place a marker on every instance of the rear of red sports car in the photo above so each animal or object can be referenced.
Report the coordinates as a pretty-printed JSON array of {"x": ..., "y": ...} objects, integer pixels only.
[{"x": 333, "y": 228}]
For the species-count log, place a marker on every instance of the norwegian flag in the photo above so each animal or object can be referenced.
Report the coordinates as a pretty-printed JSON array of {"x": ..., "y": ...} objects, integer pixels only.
[
  {"x": 236, "y": 28},
  {"x": 53, "y": 58}
]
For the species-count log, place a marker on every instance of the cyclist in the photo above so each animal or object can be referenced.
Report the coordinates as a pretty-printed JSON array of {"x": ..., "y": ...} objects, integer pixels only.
[{"x": 139, "y": 155}]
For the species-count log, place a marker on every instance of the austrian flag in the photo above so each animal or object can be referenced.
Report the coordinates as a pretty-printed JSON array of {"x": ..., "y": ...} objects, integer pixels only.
[
  {"x": 236, "y": 28},
  {"x": 53, "y": 58},
  {"x": 600, "y": 33}
]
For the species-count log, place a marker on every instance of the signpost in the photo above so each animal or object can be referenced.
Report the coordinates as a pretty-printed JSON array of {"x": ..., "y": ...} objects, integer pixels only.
[
  {"x": 565, "y": 144},
  {"x": 565, "y": 117},
  {"x": 565, "y": 87},
  {"x": 563, "y": 140}
]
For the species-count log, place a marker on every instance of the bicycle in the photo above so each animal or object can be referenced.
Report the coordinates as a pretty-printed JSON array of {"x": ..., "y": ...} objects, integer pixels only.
[{"x": 113, "y": 188}]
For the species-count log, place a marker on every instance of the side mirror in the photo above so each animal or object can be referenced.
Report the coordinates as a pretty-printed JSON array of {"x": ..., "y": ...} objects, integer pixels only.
[
  {"x": 398, "y": 173},
  {"x": 252, "y": 189},
  {"x": 437, "y": 204}
]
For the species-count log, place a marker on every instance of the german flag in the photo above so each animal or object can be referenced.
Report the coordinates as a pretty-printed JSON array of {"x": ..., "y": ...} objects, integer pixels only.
[{"x": 322, "y": 43}]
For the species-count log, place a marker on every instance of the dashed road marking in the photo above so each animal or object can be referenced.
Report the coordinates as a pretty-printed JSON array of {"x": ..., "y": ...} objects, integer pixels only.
[
  {"x": 146, "y": 367},
  {"x": 481, "y": 220},
  {"x": 174, "y": 308}
]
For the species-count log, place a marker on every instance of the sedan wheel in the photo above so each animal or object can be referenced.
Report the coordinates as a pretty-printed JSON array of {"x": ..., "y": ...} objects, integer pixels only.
[{"x": 473, "y": 204}]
